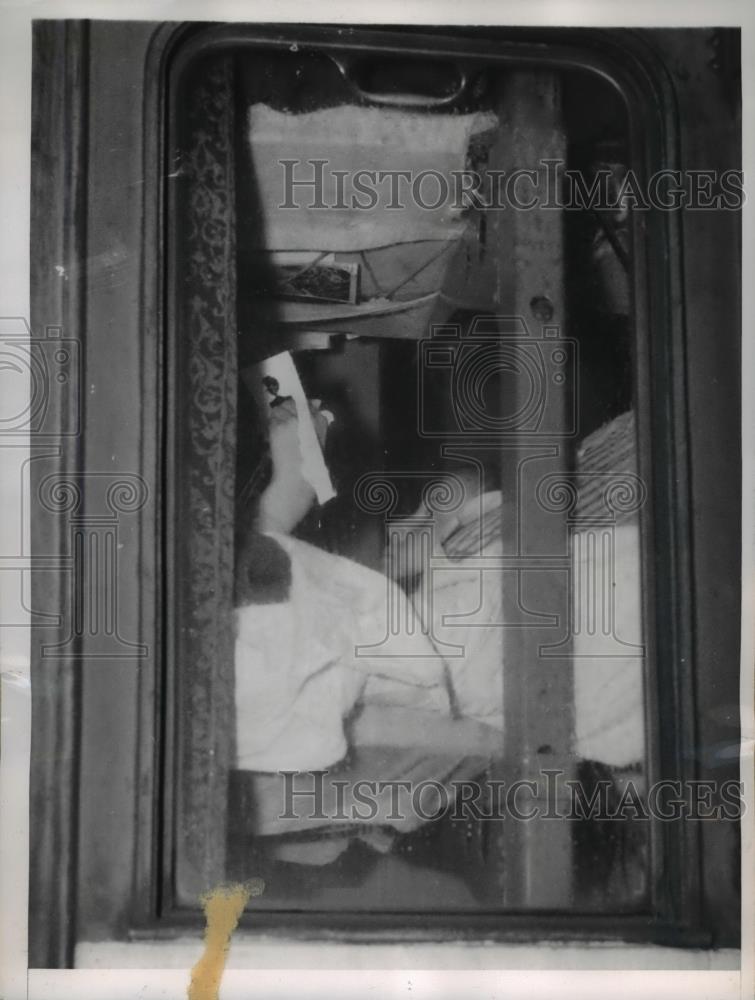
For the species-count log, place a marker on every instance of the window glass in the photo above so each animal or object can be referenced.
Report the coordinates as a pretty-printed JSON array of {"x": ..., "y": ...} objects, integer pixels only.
[{"x": 437, "y": 624}]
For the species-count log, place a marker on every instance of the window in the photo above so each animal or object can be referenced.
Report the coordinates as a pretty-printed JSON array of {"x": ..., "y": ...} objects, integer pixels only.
[
  {"x": 523, "y": 433},
  {"x": 461, "y": 611}
]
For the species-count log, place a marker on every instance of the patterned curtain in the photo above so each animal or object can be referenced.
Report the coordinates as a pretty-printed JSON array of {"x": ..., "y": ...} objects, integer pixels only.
[{"x": 205, "y": 395}]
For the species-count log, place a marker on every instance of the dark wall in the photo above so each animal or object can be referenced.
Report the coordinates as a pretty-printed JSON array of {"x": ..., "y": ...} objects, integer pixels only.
[{"x": 704, "y": 67}]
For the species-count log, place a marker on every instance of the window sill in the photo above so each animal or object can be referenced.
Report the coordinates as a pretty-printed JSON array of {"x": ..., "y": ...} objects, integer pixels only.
[{"x": 249, "y": 952}]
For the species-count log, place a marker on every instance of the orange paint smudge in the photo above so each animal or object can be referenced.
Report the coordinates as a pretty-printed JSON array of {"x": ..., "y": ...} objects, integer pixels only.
[{"x": 222, "y": 907}]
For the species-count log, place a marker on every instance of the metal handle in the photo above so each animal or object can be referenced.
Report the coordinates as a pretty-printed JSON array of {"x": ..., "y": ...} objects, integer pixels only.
[{"x": 347, "y": 66}]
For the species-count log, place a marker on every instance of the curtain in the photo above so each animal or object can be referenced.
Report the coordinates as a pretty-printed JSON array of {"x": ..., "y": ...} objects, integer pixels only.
[{"x": 205, "y": 413}]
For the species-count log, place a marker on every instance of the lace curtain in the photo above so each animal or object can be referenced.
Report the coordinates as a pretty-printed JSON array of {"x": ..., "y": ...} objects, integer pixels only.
[{"x": 205, "y": 396}]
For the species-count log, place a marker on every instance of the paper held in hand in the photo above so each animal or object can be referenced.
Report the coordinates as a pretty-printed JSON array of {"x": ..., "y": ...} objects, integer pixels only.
[{"x": 277, "y": 376}]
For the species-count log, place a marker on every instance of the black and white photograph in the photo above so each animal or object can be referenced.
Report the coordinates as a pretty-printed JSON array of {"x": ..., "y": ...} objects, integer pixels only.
[{"x": 377, "y": 579}]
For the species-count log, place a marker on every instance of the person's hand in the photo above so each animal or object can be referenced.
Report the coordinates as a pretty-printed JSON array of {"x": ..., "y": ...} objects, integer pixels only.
[
  {"x": 289, "y": 495},
  {"x": 463, "y": 531},
  {"x": 404, "y": 562}
]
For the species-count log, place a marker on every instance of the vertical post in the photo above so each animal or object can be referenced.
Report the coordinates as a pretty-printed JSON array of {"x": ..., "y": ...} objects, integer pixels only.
[
  {"x": 538, "y": 686},
  {"x": 58, "y": 236}
]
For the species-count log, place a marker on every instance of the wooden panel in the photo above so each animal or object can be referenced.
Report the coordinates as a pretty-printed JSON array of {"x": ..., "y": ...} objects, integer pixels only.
[
  {"x": 119, "y": 444},
  {"x": 57, "y": 234},
  {"x": 711, "y": 111}
]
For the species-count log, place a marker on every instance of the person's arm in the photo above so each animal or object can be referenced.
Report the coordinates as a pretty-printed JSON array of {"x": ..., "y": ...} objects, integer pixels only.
[{"x": 289, "y": 495}]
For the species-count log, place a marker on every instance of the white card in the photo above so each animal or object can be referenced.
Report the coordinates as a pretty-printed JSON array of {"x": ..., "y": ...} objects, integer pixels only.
[{"x": 281, "y": 367}]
